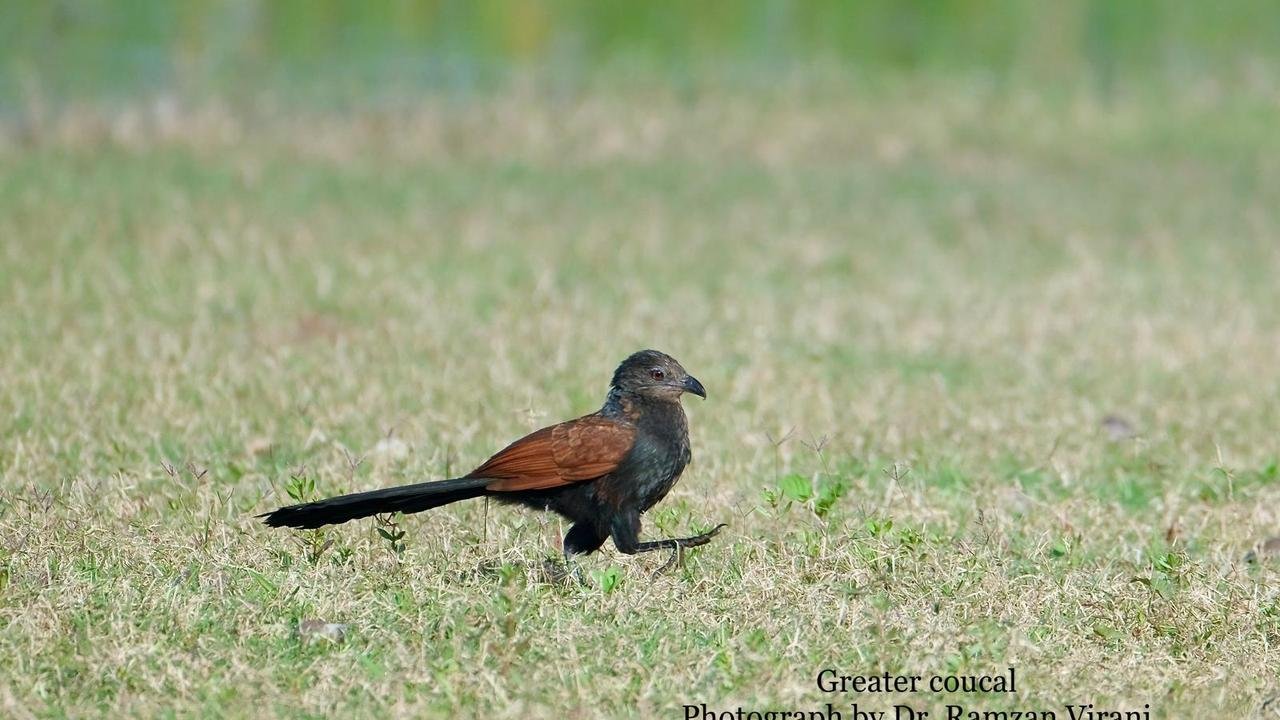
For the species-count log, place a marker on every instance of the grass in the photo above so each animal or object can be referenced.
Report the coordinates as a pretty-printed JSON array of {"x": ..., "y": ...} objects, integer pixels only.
[{"x": 912, "y": 304}]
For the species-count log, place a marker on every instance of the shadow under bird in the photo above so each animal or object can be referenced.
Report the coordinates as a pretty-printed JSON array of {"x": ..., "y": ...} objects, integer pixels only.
[{"x": 600, "y": 471}]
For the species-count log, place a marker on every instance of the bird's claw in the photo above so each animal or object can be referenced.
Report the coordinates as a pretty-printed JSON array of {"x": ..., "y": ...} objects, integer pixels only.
[
  {"x": 702, "y": 539},
  {"x": 677, "y": 551},
  {"x": 671, "y": 562},
  {"x": 563, "y": 573}
]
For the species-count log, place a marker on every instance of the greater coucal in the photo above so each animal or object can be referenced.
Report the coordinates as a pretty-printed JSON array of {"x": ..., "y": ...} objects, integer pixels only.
[{"x": 600, "y": 471}]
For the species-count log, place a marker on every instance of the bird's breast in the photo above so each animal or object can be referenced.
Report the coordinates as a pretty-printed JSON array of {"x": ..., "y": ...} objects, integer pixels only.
[{"x": 659, "y": 455}]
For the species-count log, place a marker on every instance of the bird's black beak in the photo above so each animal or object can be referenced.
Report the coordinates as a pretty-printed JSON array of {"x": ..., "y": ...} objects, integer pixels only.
[{"x": 692, "y": 385}]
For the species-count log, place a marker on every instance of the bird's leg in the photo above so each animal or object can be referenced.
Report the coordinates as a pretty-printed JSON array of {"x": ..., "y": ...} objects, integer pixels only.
[
  {"x": 582, "y": 539},
  {"x": 679, "y": 543},
  {"x": 626, "y": 532},
  {"x": 677, "y": 546}
]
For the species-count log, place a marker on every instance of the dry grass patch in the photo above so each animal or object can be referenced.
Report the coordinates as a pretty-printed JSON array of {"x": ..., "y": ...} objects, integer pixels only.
[{"x": 911, "y": 326}]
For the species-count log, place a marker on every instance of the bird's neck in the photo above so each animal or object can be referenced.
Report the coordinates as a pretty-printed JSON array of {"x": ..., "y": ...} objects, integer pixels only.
[
  {"x": 613, "y": 403},
  {"x": 637, "y": 408}
]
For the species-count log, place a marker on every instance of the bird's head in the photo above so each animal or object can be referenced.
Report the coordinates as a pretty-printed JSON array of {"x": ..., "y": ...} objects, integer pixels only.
[{"x": 656, "y": 375}]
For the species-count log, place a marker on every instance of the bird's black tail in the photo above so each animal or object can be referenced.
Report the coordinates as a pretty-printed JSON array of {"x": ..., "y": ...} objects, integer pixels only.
[{"x": 405, "y": 499}]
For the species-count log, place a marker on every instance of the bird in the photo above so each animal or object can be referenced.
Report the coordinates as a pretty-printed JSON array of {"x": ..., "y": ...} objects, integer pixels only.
[{"x": 599, "y": 471}]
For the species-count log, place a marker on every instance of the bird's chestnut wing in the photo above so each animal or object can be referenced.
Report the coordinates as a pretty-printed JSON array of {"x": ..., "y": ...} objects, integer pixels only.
[{"x": 573, "y": 451}]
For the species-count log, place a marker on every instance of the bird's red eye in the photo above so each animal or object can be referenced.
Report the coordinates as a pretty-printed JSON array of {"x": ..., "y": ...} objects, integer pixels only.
[{"x": 657, "y": 374}]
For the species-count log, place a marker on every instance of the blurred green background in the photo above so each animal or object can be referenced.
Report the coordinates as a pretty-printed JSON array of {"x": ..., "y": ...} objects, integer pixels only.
[{"x": 336, "y": 50}]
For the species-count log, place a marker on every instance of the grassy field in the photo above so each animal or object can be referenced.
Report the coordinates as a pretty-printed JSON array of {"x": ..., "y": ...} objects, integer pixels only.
[{"x": 913, "y": 304}]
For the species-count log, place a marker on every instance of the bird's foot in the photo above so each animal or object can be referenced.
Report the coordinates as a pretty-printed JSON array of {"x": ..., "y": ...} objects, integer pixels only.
[
  {"x": 702, "y": 539},
  {"x": 679, "y": 544},
  {"x": 563, "y": 573}
]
